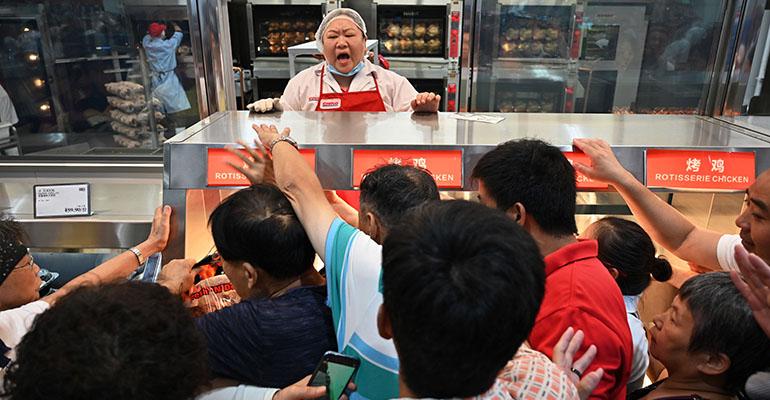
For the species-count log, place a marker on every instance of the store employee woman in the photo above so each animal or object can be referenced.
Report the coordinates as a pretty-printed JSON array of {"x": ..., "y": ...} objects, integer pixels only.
[{"x": 346, "y": 80}]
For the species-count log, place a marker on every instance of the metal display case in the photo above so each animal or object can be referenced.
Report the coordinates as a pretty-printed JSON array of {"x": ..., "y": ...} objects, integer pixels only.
[
  {"x": 334, "y": 136},
  {"x": 525, "y": 56},
  {"x": 272, "y": 26},
  {"x": 589, "y": 56},
  {"x": 422, "y": 40},
  {"x": 612, "y": 46}
]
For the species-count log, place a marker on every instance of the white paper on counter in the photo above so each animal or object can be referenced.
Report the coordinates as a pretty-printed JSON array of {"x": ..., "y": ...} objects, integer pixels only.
[{"x": 487, "y": 119}]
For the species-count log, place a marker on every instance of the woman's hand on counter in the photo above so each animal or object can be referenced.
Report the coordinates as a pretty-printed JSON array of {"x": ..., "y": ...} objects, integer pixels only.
[
  {"x": 426, "y": 102},
  {"x": 604, "y": 167},
  {"x": 158, "y": 237},
  {"x": 257, "y": 165}
]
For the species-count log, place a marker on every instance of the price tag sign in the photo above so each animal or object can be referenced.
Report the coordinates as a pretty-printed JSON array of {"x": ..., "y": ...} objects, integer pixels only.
[
  {"x": 220, "y": 173},
  {"x": 446, "y": 166},
  {"x": 704, "y": 170},
  {"x": 65, "y": 200}
]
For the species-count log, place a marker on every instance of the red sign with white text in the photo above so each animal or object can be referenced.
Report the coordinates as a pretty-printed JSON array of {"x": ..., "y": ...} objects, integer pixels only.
[
  {"x": 584, "y": 182},
  {"x": 219, "y": 173},
  {"x": 707, "y": 170},
  {"x": 446, "y": 166}
]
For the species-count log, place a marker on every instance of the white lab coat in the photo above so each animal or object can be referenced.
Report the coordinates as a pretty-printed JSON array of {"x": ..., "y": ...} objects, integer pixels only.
[{"x": 301, "y": 94}]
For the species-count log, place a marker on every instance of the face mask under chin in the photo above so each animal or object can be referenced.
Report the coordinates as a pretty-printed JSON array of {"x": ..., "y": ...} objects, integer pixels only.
[{"x": 352, "y": 72}]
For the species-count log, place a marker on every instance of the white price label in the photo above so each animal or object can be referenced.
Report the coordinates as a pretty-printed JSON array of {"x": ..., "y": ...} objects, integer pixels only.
[{"x": 66, "y": 200}]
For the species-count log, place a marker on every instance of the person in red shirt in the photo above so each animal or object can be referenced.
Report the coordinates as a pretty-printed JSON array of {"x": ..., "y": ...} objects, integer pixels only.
[{"x": 534, "y": 184}]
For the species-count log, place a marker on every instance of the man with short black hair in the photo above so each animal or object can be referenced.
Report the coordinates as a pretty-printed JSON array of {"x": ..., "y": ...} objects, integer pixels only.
[
  {"x": 282, "y": 326},
  {"x": 534, "y": 184},
  {"x": 462, "y": 285},
  {"x": 352, "y": 255}
]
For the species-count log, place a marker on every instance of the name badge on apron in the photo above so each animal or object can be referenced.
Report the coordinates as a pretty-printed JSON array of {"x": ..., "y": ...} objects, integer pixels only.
[{"x": 330, "y": 104}]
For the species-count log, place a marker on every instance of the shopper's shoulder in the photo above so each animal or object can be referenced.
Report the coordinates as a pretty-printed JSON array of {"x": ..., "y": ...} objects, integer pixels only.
[{"x": 29, "y": 309}]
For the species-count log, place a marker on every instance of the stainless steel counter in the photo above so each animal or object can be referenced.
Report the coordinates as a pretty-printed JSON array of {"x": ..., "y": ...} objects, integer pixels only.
[
  {"x": 334, "y": 134},
  {"x": 123, "y": 199},
  {"x": 756, "y": 124}
]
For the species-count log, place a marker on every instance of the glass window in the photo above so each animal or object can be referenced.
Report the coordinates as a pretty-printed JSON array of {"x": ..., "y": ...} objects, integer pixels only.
[
  {"x": 75, "y": 84},
  {"x": 652, "y": 56}
]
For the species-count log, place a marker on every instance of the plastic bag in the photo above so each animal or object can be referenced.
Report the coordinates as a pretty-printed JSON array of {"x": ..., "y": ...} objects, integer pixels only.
[{"x": 212, "y": 294}]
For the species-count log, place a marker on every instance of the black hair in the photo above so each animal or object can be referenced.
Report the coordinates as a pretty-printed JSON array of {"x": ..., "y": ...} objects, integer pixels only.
[
  {"x": 258, "y": 225},
  {"x": 462, "y": 285},
  {"x": 125, "y": 341},
  {"x": 535, "y": 174},
  {"x": 11, "y": 230},
  {"x": 389, "y": 191},
  {"x": 625, "y": 246},
  {"x": 724, "y": 323}
]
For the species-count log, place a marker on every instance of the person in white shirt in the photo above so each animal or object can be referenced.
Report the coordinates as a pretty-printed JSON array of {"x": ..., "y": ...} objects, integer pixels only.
[
  {"x": 7, "y": 111},
  {"x": 20, "y": 302},
  {"x": 668, "y": 227},
  {"x": 629, "y": 254},
  {"x": 346, "y": 80}
]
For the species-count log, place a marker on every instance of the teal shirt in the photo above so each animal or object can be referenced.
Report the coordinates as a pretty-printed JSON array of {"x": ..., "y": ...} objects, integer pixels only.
[{"x": 353, "y": 267}]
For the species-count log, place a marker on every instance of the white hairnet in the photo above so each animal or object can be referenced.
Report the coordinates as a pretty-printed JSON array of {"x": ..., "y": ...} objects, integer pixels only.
[{"x": 349, "y": 13}]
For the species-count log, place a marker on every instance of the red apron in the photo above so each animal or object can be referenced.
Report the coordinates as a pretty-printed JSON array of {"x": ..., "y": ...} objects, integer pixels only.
[{"x": 350, "y": 101}]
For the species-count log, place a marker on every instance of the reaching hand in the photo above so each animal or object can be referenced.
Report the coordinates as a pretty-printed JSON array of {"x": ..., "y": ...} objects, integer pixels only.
[
  {"x": 161, "y": 228},
  {"x": 563, "y": 354},
  {"x": 755, "y": 285},
  {"x": 426, "y": 102},
  {"x": 605, "y": 166},
  {"x": 257, "y": 166},
  {"x": 268, "y": 133}
]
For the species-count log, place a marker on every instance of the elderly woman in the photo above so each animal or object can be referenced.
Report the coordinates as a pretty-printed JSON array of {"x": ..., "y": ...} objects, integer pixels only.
[
  {"x": 346, "y": 80},
  {"x": 20, "y": 302}
]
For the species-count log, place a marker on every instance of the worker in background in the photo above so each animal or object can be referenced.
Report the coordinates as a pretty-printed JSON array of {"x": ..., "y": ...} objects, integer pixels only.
[{"x": 161, "y": 56}]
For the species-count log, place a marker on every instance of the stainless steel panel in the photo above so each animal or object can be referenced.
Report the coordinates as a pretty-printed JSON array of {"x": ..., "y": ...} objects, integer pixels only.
[
  {"x": 720, "y": 63},
  {"x": 198, "y": 58},
  {"x": 289, "y": 2},
  {"x": 414, "y": 2},
  {"x": 745, "y": 48},
  {"x": 217, "y": 54},
  {"x": 629, "y": 135},
  {"x": 250, "y": 22},
  {"x": 757, "y": 124},
  {"x": 123, "y": 200},
  {"x": 420, "y": 68},
  {"x": 466, "y": 59}
]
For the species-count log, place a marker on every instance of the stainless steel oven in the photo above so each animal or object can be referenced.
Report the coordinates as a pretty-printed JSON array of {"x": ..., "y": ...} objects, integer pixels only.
[{"x": 422, "y": 40}]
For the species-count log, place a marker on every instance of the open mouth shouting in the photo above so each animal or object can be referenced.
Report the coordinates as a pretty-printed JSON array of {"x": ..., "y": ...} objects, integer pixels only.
[{"x": 343, "y": 58}]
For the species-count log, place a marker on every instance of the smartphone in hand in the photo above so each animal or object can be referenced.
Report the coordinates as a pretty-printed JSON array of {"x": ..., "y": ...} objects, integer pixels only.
[{"x": 335, "y": 371}]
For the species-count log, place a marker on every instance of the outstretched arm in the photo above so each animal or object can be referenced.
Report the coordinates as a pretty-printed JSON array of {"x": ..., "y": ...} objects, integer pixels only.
[
  {"x": 121, "y": 266},
  {"x": 296, "y": 180},
  {"x": 663, "y": 222}
]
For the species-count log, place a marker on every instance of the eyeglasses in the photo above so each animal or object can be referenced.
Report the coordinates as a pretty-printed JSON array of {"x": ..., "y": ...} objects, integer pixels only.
[{"x": 29, "y": 264}]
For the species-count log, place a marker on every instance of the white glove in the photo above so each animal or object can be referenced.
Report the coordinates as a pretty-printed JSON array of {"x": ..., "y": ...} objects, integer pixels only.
[{"x": 265, "y": 105}]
